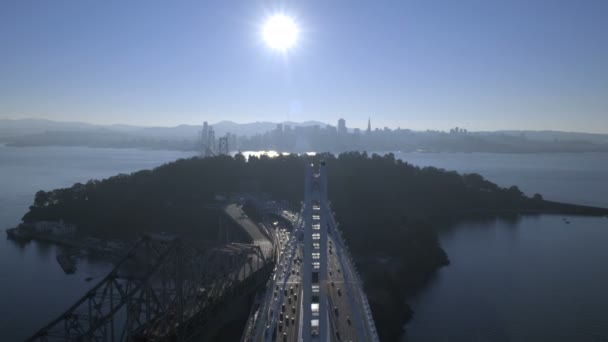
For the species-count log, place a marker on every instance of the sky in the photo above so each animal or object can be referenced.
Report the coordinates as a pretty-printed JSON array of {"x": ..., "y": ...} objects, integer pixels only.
[{"x": 428, "y": 64}]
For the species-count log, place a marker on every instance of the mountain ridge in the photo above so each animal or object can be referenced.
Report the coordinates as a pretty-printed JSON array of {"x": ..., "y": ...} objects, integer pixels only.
[{"x": 32, "y": 126}]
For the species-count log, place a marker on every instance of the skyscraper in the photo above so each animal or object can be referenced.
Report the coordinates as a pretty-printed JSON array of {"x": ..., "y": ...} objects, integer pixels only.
[
  {"x": 204, "y": 136},
  {"x": 211, "y": 139},
  {"x": 369, "y": 125},
  {"x": 342, "y": 127}
]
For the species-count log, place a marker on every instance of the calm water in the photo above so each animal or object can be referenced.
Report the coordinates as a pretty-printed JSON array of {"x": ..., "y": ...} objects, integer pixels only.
[
  {"x": 538, "y": 279},
  {"x": 574, "y": 178},
  {"x": 535, "y": 280},
  {"x": 33, "y": 288}
]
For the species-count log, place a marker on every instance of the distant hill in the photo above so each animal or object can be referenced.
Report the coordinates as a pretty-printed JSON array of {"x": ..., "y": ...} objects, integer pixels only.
[
  {"x": 557, "y": 136},
  {"x": 26, "y": 127},
  {"x": 14, "y": 128}
]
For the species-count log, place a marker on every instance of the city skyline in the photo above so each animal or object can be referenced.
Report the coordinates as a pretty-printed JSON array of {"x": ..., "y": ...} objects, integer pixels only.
[
  {"x": 369, "y": 122},
  {"x": 484, "y": 66}
]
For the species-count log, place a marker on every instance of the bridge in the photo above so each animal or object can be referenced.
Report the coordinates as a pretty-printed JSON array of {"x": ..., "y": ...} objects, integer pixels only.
[
  {"x": 315, "y": 293},
  {"x": 164, "y": 289},
  {"x": 167, "y": 289}
]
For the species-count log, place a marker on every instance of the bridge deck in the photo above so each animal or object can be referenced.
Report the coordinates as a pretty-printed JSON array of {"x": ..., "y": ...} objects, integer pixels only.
[
  {"x": 235, "y": 212},
  {"x": 289, "y": 322}
]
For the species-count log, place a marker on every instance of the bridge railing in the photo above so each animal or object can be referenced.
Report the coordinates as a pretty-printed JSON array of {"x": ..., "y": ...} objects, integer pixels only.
[{"x": 360, "y": 293}]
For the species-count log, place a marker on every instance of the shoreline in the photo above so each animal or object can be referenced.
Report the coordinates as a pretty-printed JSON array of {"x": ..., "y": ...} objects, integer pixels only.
[
  {"x": 100, "y": 247},
  {"x": 334, "y": 152}
]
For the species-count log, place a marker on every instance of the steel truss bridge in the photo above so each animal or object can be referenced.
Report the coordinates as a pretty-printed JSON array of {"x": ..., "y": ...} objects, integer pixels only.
[{"x": 164, "y": 289}]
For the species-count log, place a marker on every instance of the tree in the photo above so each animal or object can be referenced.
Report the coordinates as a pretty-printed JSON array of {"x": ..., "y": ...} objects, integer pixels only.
[{"x": 41, "y": 199}]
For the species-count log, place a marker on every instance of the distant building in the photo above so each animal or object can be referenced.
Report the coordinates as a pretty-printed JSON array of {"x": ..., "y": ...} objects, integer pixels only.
[
  {"x": 211, "y": 139},
  {"x": 205, "y": 135},
  {"x": 207, "y": 139},
  {"x": 369, "y": 126},
  {"x": 342, "y": 127},
  {"x": 232, "y": 141},
  {"x": 458, "y": 130},
  {"x": 54, "y": 227}
]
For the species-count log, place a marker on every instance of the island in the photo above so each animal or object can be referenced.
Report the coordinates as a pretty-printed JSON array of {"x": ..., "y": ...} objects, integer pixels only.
[{"x": 388, "y": 210}]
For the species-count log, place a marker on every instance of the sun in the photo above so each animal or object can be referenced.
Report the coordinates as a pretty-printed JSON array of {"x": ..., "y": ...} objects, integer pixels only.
[{"x": 280, "y": 32}]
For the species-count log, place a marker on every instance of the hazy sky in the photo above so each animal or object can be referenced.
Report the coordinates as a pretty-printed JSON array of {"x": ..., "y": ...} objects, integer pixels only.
[{"x": 483, "y": 65}]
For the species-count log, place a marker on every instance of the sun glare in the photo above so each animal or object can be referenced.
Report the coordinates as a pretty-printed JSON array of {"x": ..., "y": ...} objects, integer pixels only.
[{"x": 280, "y": 32}]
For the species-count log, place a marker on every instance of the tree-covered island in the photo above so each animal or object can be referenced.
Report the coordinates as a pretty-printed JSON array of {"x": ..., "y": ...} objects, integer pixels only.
[{"x": 387, "y": 209}]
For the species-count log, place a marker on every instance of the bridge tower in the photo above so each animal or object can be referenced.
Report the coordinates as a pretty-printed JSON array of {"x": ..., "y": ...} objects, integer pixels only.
[
  {"x": 224, "y": 148},
  {"x": 314, "y": 283}
]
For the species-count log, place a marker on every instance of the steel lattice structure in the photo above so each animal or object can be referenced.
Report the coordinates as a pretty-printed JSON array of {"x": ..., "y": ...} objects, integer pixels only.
[{"x": 163, "y": 289}]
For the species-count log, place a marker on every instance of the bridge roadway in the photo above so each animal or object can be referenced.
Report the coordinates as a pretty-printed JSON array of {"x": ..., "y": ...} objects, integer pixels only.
[
  {"x": 258, "y": 238},
  {"x": 284, "y": 293}
]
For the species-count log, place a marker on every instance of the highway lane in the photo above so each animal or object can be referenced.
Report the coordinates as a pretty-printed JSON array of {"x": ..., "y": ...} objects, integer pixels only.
[
  {"x": 342, "y": 325},
  {"x": 340, "y": 320},
  {"x": 288, "y": 322},
  {"x": 235, "y": 212},
  {"x": 337, "y": 293},
  {"x": 288, "y": 325}
]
